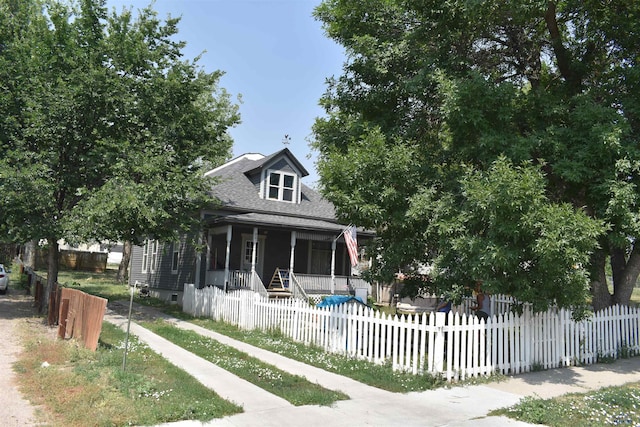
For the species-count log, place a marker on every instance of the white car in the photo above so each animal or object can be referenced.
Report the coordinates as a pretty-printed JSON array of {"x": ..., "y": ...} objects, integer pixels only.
[{"x": 4, "y": 279}]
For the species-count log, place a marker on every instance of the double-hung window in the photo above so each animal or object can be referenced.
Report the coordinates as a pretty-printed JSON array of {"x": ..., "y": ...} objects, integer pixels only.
[
  {"x": 145, "y": 256},
  {"x": 282, "y": 186},
  {"x": 149, "y": 256}
]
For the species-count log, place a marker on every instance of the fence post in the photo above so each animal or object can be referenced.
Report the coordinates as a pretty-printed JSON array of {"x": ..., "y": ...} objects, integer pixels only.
[
  {"x": 438, "y": 344},
  {"x": 29, "y": 279},
  {"x": 54, "y": 299},
  {"x": 38, "y": 295}
]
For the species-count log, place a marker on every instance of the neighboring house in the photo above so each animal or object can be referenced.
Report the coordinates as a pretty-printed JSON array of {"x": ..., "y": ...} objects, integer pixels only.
[
  {"x": 268, "y": 226},
  {"x": 113, "y": 250}
]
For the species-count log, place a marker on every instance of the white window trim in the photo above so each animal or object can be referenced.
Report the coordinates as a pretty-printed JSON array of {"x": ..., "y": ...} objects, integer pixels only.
[
  {"x": 295, "y": 187},
  {"x": 154, "y": 256},
  {"x": 149, "y": 256},
  {"x": 248, "y": 238},
  {"x": 145, "y": 256}
]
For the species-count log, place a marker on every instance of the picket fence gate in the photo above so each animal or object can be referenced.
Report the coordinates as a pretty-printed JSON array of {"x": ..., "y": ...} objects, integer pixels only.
[{"x": 455, "y": 346}]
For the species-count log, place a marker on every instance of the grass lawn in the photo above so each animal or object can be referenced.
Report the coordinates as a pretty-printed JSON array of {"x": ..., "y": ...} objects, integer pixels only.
[
  {"x": 381, "y": 376},
  {"x": 81, "y": 388},
  {"x": 100, "y": 284},
  {"x": 609, "y": 406},
  {"x": 295, "y": 389}
]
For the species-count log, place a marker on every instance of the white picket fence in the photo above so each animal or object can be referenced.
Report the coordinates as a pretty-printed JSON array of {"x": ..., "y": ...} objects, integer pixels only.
[{"x": 456, "y": 346}]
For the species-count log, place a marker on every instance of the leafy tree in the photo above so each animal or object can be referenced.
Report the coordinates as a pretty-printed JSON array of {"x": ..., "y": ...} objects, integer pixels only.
[
  {"x": 106, "y": 129},
  {"x": 505, "y": 230},
  {"x": 432, "y": 90}
]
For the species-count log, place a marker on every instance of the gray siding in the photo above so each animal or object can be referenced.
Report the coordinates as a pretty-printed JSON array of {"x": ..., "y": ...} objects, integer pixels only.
[
  {"x": 282, "y": 165},
  {"x": 163, "y": 278}
]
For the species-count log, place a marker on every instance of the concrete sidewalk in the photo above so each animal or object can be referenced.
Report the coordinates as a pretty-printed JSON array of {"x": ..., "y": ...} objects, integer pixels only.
[{"x": 454, "y": 406}]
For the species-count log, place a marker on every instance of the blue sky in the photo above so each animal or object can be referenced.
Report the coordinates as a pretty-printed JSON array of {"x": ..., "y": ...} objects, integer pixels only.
[{"x": 274, "y": 54}]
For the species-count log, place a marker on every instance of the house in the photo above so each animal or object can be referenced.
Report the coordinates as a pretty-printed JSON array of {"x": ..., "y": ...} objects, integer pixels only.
[{"x": 270, "y": 233}]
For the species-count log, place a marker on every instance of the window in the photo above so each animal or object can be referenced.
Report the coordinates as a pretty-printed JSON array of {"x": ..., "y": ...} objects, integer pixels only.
[
  {"x": 320, "y": 257},
  {"x": 149, "y": 256},
  {"x": 154, "y": 255},
  {"x": 175, "y": 258},
  {"x": 145, "y": 256},
  {"x": 213, "y": 259},
  {"x": 248, "y": 251},
  {"x": 281, "y": 186}
]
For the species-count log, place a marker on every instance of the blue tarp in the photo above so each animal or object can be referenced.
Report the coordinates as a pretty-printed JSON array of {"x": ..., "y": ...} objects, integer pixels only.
[{"x": 339, "y": 299}]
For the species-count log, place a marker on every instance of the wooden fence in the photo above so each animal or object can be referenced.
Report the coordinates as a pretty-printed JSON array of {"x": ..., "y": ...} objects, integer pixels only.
[
  {"x": 81, "y": 317},
  {"x": 454, "y": 345},
  {"x": 77, "y": 314},
  {"x": 70, "y": 259}
]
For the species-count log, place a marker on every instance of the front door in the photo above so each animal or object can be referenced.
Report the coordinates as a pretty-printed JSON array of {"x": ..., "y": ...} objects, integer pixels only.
[{"x": 247, "y": 253}]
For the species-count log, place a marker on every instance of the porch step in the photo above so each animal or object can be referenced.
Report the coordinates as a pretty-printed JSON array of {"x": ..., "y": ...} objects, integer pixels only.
[{"x": 279, "y": 293}]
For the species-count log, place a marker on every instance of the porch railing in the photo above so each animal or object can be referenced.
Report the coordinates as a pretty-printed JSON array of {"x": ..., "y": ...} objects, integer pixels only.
[
  {"x": 237, "y": 280},
  {"x": 302, "y": 284},
  {"x": 316, "y": 283},
  {"x": 258, "y": 286},
  {"x": 298, "y": 291}
]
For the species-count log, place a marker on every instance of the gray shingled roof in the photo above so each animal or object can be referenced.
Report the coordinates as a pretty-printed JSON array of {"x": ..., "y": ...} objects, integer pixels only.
[
  {"x": 238, "y": 194},
  {"x": 260, "y": 219}
]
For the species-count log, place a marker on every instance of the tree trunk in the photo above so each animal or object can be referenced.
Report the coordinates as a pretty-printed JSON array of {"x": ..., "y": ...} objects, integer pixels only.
[
  {"x": 625, "y": 279},
  {"x": 29, "y": 256},
  {"x": 625, "y": 271},
  {"x": 52, "y": 270},
  {"x": 601, "y": 298},
  {"x": 123, "y": 268}
]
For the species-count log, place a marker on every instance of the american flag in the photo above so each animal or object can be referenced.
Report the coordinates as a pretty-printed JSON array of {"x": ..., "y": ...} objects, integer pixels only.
[{"x": 351, "y": 240}]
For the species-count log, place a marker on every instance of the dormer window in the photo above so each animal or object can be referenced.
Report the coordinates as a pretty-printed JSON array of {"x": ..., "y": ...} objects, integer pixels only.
[{"x": 282, "y": 186}]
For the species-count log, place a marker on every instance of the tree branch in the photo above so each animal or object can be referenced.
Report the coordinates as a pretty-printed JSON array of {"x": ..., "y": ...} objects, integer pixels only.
[{"x": 562, "y": 55}]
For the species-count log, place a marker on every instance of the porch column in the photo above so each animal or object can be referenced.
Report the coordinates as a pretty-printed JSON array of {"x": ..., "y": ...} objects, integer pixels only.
[
  {"x": 254, "y": 251},
  {"x": 293, "y": 250},
  {"x": 207, "y": 261},
  {"x": 226, "y": 258},
  {"x": 333, "y": 267},
  {"x": 199, "y": 263}
]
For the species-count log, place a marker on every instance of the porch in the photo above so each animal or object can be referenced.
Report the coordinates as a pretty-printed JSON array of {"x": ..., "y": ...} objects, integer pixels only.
[
  {"x": 298, "y": 285},
  {"x": 280, "y": 262}
]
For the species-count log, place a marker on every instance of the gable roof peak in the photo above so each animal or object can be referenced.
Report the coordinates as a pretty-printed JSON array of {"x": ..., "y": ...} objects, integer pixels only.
[{"x": 285, "y": 152}]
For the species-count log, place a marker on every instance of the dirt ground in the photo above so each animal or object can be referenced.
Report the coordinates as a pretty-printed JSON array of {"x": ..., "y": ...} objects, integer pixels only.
[{"x": 16, "y": 316}]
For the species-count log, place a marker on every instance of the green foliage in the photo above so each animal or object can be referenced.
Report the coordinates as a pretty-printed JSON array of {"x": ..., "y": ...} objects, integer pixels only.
[
  {"x": 434, "y": 94},
  {"x": 506, "y": 233},
  {"x": 105, "y": 129}
]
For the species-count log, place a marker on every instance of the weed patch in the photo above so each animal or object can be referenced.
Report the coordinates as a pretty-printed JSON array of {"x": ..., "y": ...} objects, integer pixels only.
[
  {"x": 610, "y": 406},
  {"x": 84, "y": 388}
]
